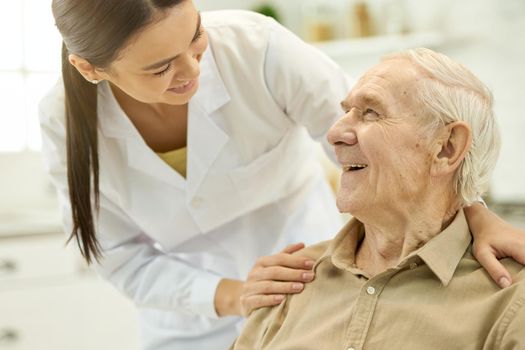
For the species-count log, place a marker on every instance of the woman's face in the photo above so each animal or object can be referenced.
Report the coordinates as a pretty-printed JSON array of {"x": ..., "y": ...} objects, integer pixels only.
[
  {"x": 161, "y": 63},
  {"x": 380, "y": 143}
]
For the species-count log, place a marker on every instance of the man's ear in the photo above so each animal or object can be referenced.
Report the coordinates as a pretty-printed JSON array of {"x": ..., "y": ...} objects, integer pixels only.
[
  {"x": 451, "y": 146},
  {"x": 88, "y": 71}
]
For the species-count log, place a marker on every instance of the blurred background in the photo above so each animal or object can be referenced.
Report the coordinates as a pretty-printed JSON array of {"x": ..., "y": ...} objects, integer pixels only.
[{"x": 49, "y": 300}]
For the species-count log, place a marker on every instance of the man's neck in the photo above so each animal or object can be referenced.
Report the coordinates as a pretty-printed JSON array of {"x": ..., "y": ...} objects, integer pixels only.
[{"x": 398, "y": 233}]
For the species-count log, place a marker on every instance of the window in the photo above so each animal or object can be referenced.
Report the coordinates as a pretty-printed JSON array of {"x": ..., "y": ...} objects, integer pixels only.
[{"x": 29, "y": 66}]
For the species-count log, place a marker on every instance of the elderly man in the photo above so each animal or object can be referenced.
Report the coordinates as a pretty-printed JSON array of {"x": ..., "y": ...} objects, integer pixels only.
[{"x": 417, "y": 143}]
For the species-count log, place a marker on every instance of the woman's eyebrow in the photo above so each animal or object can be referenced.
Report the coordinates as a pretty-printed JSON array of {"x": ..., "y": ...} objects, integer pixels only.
[
  {"x": 165, "y": 61},
  {"x": 159, "y": 63}
]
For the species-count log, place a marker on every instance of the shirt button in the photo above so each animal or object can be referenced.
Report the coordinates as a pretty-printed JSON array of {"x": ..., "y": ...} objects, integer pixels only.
[
  {"x": 196, "y": 202},
  {"x": 351, "y": 349},
  {"x": 413, "y": 265},
  {"x": 370, "y": 290}
]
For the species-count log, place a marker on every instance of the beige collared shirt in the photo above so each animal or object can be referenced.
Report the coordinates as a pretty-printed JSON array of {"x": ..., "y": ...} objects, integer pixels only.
[{"x": 438, "y": 297}]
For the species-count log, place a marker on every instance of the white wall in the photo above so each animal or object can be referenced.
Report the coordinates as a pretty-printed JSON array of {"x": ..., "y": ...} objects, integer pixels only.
[{"x": 496, "y": 54}]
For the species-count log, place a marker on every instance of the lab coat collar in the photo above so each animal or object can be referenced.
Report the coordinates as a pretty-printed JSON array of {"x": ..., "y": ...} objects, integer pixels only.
[
  {"x": 205, "y": 138},
  {"x": 115, "y": 124},
  {"x": 212, "y": 93},
  {"x": 112, "y": 119}
]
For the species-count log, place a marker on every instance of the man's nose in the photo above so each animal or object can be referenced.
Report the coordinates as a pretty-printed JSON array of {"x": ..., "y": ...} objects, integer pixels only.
[{"x": 342, "y": 132}]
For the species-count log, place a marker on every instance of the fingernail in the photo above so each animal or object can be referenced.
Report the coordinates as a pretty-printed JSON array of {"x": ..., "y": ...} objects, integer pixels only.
[
  {"x": 308, "y": 275},
  {"x": 297, "y": 286},
  {"x": 504, "y": 282},
  {"x": 278, "y": 297},
  {"x": 309, "y": 264}
]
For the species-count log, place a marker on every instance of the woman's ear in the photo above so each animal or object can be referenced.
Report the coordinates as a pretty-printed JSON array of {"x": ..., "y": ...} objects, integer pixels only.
[
  {"x": 88, "y": 71},
  {"x": 452, "y": 144}
]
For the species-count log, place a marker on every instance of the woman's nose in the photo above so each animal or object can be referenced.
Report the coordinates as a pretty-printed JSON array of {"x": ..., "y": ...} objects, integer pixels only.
[
  {"x": 342, "y": 132},
  {"x": 190, "y": 68}
]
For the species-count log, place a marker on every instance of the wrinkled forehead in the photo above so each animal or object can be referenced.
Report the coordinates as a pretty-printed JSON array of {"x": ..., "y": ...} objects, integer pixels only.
[{"x": 390, "y": 79}]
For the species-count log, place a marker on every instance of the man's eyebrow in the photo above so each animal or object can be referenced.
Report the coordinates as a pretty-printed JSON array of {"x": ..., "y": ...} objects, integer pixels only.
[
  {"x": 370, "y": 99},
  {"x": 345, "y": 106},
  {"x": 165, "y": 61}
]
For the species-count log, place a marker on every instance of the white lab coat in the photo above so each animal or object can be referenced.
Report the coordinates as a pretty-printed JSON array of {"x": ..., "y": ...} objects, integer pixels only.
[{"x": 253, "y": 183}]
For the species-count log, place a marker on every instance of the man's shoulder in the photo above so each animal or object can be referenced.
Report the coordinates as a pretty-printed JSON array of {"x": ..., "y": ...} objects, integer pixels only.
[{"x": 315, "y": 251}]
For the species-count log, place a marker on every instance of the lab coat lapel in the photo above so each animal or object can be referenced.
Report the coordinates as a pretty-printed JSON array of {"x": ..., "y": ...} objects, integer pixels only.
[
  {"x": 142, "y": 158},
  {"x": 115, "y": 124},
  {"x": 205, "y": 138}
]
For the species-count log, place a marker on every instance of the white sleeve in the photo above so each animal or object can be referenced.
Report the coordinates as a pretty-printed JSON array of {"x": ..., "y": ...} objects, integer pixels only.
[
  {"x": 130, "y": 261},
  {"x": 305, "y": 83}
]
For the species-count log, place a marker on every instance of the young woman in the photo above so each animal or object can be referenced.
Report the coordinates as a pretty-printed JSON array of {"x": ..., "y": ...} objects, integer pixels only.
[{"x": 181, "y": 148}]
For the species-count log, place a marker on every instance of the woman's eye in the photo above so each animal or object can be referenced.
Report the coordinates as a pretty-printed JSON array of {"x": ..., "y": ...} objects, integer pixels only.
[
  {"x": 164, "y": 71},
  {"x": 198, "y": 36}
]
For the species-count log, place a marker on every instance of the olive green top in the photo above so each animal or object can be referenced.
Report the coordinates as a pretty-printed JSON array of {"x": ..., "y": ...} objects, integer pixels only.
[{"x": 176, "y": 159}]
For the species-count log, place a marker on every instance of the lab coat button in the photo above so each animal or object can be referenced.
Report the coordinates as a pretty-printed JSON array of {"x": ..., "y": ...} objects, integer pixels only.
[{"x": 196, "y": 202}]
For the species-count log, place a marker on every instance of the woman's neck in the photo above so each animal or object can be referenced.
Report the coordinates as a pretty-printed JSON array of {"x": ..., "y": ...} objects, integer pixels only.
[{"x": 163, "y": 127}]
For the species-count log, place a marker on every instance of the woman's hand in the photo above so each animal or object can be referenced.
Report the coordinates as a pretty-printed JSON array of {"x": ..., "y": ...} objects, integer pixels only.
[
  {"x": 227, "y": 297},
  {"x": 494, "y": 239},
  {"x": 274, "y": 276}
]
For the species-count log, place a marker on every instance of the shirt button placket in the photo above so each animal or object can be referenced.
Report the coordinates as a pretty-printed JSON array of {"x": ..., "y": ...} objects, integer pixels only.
[{"x": 364, "y": 310}]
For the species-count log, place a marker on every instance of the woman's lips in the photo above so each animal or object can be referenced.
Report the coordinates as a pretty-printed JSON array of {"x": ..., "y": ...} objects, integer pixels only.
[{"x": 184, "y": 88}]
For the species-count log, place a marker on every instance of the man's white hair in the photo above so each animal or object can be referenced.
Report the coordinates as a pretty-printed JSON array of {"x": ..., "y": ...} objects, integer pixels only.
[{"x": 451, "y": 93}]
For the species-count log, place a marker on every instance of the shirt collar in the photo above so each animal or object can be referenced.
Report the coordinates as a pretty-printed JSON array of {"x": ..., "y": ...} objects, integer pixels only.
[
  {"x": 343, "y": 248},
  {"x": 441, "y": 254}
]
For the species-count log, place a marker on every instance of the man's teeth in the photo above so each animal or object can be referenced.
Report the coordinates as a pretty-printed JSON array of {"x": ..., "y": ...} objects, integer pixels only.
[{"x": 349, "y": 167}]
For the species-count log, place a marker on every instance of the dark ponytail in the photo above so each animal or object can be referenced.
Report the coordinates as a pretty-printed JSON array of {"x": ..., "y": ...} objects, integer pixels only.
[
  {"x": 82, "y": 156},
  {"x": 95, "y": 30}
]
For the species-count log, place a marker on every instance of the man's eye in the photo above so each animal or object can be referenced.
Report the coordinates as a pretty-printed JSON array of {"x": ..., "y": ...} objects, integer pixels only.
[{"x": 370, "y": 113}]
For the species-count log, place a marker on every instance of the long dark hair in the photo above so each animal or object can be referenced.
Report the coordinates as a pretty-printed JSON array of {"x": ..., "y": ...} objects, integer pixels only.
[{"x": 95, "y": 30}]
